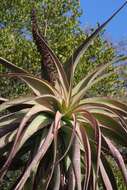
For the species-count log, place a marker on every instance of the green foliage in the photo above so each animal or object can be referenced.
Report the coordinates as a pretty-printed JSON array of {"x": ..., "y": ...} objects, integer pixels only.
[
  {"x": 59, "y": 22},
  {"x": 123, "y": 74},
  {"x": 62, "y": 18},
  {"x": 64, "y": 134},
  {"x": 21, "y": 51}
]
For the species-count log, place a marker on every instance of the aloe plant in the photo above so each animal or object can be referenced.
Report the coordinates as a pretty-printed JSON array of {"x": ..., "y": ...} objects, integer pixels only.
[{"x": 65, "y": 136}]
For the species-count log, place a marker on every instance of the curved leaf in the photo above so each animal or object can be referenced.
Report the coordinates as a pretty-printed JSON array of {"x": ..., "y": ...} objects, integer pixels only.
[
  {"x": 57, "y": 125},
  {"x": 11, "y": 66},
  {"x": 114, "y": 127},
  {"x": 38, "y": 86},
  {"x": 109, "y": 172},
  {"x": 105, "y": 177},
  {"x": 15, "y": 103},
  {"x": 57, "y": 178},
  {"x": 41, "y": 152},
  {"x": 71, "y": 178},
  {"x": 19, "y": 135},
  {"x": 74, "y": 59},
  {"x": 87, "y": 157},
  {"x": 93, "y": 122},
  {"x": 116, "y": 104},
  {"x": 89, "y": 80},
  {"x": 117, "y": 156},
  {"x": 76, "y": 162}
]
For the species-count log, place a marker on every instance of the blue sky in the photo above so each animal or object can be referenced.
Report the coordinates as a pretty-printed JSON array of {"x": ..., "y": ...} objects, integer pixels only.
[{"x": 99, "y": 10}]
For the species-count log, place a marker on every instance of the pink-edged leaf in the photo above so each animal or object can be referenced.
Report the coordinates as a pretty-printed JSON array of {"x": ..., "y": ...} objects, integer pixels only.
[
  {"x": 50, "y": 171},
  {"x": 71, "y": 178},
  {"x": 56, "y": 128},
  {"x": 108, "y": 167},
  {"x": 70, "y": 142},
  {"x": 108, "y": 101},
  {"x": 57, "y": 178},
  {"x": 117, "y": 156},
  {"x": 87, "y": 157},
  {"x": 34, "y": 163},
  {"x": 57, "y": 122},
  {"x": 112, "y": 127},
  {"x": 34, "y": 110},
  {"x": 48, "y": 100},
  {"x": 105, "y": 177},
  {"x": 92, "y": 183},
  {"x": 119, "y": 114},
  {"x": 76, "y": 161},
  {"x": 40, "y": 172},
  {"x": 16, "y": 103},
  {"x": 96, "y": 128}
]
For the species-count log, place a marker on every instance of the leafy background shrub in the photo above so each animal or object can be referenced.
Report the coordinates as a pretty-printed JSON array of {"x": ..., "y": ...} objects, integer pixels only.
[{"x": 61, "y": 24}]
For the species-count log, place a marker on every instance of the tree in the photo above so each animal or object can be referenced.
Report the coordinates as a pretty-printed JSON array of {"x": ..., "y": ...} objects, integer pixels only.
[{"x": 59, "y": 23}]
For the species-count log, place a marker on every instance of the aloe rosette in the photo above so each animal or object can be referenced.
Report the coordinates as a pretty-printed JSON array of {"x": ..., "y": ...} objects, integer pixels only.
[{"x": 65, "y": 136}]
